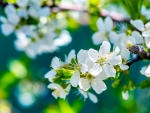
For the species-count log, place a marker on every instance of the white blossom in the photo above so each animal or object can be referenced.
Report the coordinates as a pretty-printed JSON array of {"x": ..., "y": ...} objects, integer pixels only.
[
  {"x": 145, "y": 71},
  {"x": 125, "y": 95}
]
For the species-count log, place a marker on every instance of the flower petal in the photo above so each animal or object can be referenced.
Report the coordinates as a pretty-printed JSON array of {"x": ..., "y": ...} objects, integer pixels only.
[
  {"x": 147, "y": 41},
  {"x": 13, "y": 19},
  {"x": 84, "y": 68},
  {"x": 142, "y": 71},
  {"x": 74, "y": 80},
  {"x": 98, "y": 85},
  {"x": 95, "y": 70},
  {"x": 123, "y": 67},
  {"x": 125, "y": 53},
  {"x": 110, "y": 71},
  {"x": 84, "y": 84},
  {"x": 102, "y": 75},
  {"x": 147, "y": 25},
  {"x": 146, "y": 33},
  {"x": 97, "y": 38},
  {"x": 50, "y": 75},
  {"x": 104, "y": 48},
  {"x": 114, "y": 37},
  {"x": 22, "y": 3},
  {"x": 108, "y": 23},
  {"x": 100, "y": 24},
  {"x": 7, "y": 29},
  {"x": 56, "y": 63},
  {"x": 92, "y": 97},
  {"x": 125, "y": 95},
  {"x": 82, "y": 55},
  {"x": 147, "y": 72},
  {"x": 83, "y": 93},
  {"x": 44, "y": 11},
  {"x": 138, "y": 24},
  {"x": 115, "y": 60},
  {"x": 93, "y": 55},
  {"x": 137, "y": 36},
  {"x": 71, "y": 55},
  {"x": 9, "y": 9}
]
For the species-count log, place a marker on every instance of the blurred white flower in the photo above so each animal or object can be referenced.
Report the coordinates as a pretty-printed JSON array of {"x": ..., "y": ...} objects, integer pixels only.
[
  {"x": 145, "y": 12},
  {"x": 59, "y": 91},
  {"x": 105, "y": 28},
  {"x": 10, "y": 21},
  {"x": 145, "y": 71},
  {"x": 105, "y": 59},
  {"x": 125, "y": 95}
]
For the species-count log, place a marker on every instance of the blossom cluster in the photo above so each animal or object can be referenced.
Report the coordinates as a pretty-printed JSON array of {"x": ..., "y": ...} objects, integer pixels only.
[
  {"x": 86, "y": 71},
  {"x": 31, "y": 23}
]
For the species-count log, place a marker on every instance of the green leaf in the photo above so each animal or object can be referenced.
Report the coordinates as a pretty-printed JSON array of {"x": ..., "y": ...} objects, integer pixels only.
[
  {"x": 67, "y": 72},
  {"x": 144, "y": 84}
]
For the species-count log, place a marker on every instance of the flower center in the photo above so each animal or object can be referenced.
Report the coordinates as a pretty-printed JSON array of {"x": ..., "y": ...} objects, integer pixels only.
[
  {"x": 104, "y": 35},
  {"x": 102, "y": 60},
  {"x": 89, "y": 76},
  {"x": 129, "y": 44},
  {"x": 57, "y": 92},
  {"x": 33, "y": 40}
]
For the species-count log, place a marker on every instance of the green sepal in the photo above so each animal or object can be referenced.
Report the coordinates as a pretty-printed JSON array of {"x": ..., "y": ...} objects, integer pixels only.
[{"x": 67, "y": 72}]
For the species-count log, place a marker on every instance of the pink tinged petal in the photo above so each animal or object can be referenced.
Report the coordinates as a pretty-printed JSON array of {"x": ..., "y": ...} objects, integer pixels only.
[
  {"x": 44, "y": 11},
  {"x": 115, "y": 60},
  {"x": 84, "y": 84},
  {"x": 92, "y": 97},
  {"x": 71, "y": 56},
  {"x": 108, "y": 24},
  {"x": 97, "y": 38},
  {"x": 125, "y": 95},
  {"x": 82, "y": 56},
  {"x": 93, "y": 55},
  {"x": 56, "y": 63},
  {"x": 50, "y": 75},
  {"x": 110, "y": 71},
  {"x": 137, "y": 36},
  {"x": 100, "y": 24},
  {"x": 13, "y": 19},
  {"x": 9, "y": 9},
  {"x": 142, "y": 71},
  {"x": 147, "y": 41},
  {"x": 146, "y": 33},
  {"x": 98, "y": 85},
  {"x": 74, "y": 80},
  {"x": 102, "y": 75},
  {"x": 95, "y": 70},
  {"x": 104, "y": 48},
  {"x": 114, "y": 37},
  {"x": 84, "y": 68},
  {"x": 7, "y": 29},
  {"x": 125, "y": 53},
  {"x": 123, "y": 67},
  {"x": 147, "y": 25},
  {"x": 138, "y": 24},
  {"x": 147, "y": 72}
]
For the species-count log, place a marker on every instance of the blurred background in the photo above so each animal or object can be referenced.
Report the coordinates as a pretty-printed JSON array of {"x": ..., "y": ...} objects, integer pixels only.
[{"x": 23, "y": 87}]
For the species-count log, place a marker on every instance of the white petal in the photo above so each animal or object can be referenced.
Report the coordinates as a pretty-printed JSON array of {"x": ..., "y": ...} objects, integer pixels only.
[
  {"x": 115, "y": 60},
  {"x": 100, "y": 24},
  {"x": 9, "y": 9},
  {"x": 97, "y": 38},
  {"x": 123, "y": 67},
  {"x": 50, "y": 75},
  {"x": 13, "y": 19},
  {"x": 147, "y": 72},
  {"x": 3, "y": 19},
  {"x": 22, "y": 13},
  {"x": 138, "y": 24},
  {"x": 22, "y": 3},
  {"x": 108, "y": 24},
  {"x": 54, "y": 95},
  {"x": 125, "y": 95},
  {"x": 102, "y": 75},
  {"x": 84, "y": 84},
  {"x": 146, "y": 33},
  {"x": 82, "y": 55},
  {"x": 71, "y": 55},
  {"x": 44, "y": 11},
  {"x": 92, "y": 97},
  {"x": 114, "y": 37},
  {"x": 137, "y": 36},
  {"x": 98, "y": 85},
  {"x": 83, "y": 93},
  {"x": 125, "y": 53},
  {"x": 56, "y": 63},
  {"x": 147, "y": 41},
  {"x": 68, "y": 88},
  {"x": 33, "y": 12},
  {"x": 95, "y": 70},
  {"x": 63, "y": 94},
  {"x": 110, "y": 71},
  {"x": 93, "y": 55},
  {"x": 116, "y": 51},
  {"x": 7, "y": 29},
  {"x": 104, "y": 48},
  {"x": 84, "y": 68},
  {"x": 142, "y": 71},
  {"x": 147, "y": 25},
  {"x": 74, "y": 80},
  {"x": 26, "y": 29}
]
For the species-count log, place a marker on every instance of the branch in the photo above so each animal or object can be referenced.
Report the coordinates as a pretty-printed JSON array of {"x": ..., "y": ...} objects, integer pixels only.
[{"x": 140, "y": 52}]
